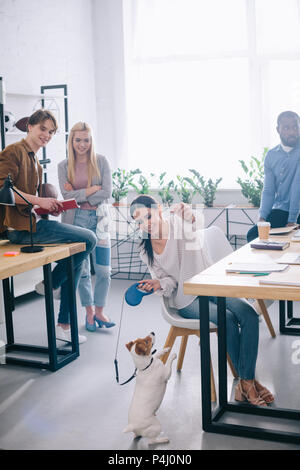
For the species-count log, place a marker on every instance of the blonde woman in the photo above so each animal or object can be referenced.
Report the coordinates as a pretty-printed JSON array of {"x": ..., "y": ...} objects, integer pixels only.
[{"x": 86, "y": 176}]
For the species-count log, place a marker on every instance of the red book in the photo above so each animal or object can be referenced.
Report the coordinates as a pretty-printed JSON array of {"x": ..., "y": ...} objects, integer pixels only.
[{"x": 67, "y": 204}]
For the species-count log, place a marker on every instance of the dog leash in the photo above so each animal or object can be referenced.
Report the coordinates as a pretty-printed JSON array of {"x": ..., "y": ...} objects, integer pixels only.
[{"x": 116, "y": 361}]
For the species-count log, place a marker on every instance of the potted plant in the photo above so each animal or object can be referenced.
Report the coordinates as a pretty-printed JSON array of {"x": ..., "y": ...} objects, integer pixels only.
[
  {"x": 206, "y": 189},
  {"x": 142, "y": 185},
  {"x": 121, "y": 180},
  {"x": 165, "y": 189},
  {"x": 252, "y": 186},
  {"x": 184, "y": 190}
]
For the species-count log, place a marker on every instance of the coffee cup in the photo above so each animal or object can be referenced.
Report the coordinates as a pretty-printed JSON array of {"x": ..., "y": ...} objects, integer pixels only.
[{"x": 263, "y": 230}]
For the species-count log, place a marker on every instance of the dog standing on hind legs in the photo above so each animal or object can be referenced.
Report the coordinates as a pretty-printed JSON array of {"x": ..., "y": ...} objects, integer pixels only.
[{"x": 152, "y": 376}]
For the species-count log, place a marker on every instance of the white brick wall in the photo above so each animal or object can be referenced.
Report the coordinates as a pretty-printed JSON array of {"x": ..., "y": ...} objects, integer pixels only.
[{"x": 48, "y": 43}]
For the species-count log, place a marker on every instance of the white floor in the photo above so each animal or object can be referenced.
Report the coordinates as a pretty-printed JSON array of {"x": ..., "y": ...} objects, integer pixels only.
[{"x": 82, "y": 407}]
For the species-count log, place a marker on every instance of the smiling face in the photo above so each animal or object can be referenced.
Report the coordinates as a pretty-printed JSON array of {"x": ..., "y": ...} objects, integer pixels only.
[
  {"x": 82, "y": 142},
  {"x": 289, "y": 131},
  {"x": 40, "y": 134}
]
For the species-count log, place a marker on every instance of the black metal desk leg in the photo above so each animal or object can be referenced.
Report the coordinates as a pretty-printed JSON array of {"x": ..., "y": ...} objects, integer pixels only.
[
  {"x": 50, "y": 317},
  {"x": 205, "y": 362},
  {"x": 72, "y": 304},
  {"x": 289, "y": 309},
  {"x": 8, "y": 312},
  {"x": 222, "y": 351},
  {"x": 288, "y": 324},
  {"x": 281, "y": 316}
]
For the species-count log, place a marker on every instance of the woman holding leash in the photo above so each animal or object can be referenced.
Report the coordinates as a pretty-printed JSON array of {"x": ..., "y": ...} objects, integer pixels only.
[
  {"x": 86, "y": 177},
  {"x": 173, "y": 255}
]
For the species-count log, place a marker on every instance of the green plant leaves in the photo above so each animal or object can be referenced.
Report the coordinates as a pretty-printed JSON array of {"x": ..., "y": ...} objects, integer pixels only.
[
  {"x": 165, "y": 189},
  {"x": 121, "y": 180},
  {"x": 206, "y": 189},
  {"x": 188, "y": 186},
  {"x": 252, "y": 186}
]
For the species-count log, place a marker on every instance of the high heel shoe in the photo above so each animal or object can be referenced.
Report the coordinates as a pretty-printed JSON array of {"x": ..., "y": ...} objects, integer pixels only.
[
  {"x": 242, "y": 395},
  {"x": 264, "y": 392},
  {"x": 101, "y": 323},
  {"x": 89, "y": 326}
]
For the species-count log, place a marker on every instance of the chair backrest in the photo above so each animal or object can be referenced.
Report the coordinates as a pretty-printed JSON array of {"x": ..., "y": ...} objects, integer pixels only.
[
  {"x": 219, "y": 247},
  {"x": 217, "y": 243},
  {"x": 172, "y": 316}
]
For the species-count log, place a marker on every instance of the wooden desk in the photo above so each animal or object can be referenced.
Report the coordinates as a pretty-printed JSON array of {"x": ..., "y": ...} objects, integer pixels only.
[
  {"x": 10, "y": 266},
  {"x": 215, "y": 282}
]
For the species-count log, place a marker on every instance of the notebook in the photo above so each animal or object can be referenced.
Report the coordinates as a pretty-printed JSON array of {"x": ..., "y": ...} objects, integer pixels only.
[
  {"x": 283, "y": 279},
  {"x": 269, "y": 245},
  {"x": 67, "y": 204},
  {"x": 255, "y": 268},
  {"x": 289, "y": 258}
]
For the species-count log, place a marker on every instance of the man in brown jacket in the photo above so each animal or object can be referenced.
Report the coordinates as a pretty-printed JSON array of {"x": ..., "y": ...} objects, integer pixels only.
[{"x": 19, "y": 160}]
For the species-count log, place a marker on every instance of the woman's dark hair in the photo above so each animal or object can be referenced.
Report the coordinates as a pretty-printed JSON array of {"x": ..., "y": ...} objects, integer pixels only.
[{"x": 148, "y": 202}]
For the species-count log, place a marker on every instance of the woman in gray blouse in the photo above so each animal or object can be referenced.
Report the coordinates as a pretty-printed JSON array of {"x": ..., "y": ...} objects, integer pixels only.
[{"x": 86, "y": 177}]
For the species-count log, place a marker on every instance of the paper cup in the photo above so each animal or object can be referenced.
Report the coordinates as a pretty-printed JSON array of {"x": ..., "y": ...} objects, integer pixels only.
[{"x": 263, "y": 230}]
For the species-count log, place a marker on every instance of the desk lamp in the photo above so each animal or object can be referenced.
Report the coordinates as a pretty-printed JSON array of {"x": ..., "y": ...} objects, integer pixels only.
[{"x": 7, "y": 198}]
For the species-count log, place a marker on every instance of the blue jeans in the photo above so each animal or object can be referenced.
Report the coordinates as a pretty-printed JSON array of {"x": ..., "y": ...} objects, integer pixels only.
[
  {"x": 101, "y": 262},
  {"x": 50, "y": 231},
  {"x": 242, "y": 331}
]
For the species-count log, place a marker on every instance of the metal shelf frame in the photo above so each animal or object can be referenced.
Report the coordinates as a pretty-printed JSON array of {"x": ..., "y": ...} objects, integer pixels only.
[{"x": 43, "y": 98}]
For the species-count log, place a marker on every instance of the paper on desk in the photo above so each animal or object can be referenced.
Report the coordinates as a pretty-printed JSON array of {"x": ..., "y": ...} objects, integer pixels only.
[
  {"x": 285, "y": 279},
  {"x": 289, "y": 258},
  {"x": 255, "y": 268}
]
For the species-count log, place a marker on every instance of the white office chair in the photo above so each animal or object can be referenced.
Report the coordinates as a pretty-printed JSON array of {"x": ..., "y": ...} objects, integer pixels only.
[
  {"x": 219, "y": 247},
  {"x": 185, "y": 327}
]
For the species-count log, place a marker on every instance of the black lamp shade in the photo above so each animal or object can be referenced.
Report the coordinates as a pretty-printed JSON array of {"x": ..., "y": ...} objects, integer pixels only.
[{"x": 7, "y": 196}]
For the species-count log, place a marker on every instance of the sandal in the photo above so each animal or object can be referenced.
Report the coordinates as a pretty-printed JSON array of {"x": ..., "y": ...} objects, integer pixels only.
[
  {"x": 264, "y": 392},
  {"x": 241, "y": 395}
]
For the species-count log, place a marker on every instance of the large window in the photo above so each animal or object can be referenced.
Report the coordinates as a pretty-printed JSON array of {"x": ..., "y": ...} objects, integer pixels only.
[{"x": 205, "y": 81}]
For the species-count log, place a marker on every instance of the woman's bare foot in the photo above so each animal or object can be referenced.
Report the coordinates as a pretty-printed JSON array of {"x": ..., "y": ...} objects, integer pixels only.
[
  {"x": 100, "y": 315},
  {"x": 264, "y": 392}
]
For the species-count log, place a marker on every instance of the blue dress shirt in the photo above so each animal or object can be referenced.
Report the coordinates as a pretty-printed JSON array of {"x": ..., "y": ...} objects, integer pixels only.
[{"x": 281, "y": 183}]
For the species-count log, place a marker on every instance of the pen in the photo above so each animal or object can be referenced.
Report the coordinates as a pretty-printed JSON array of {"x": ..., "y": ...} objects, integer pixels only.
[{"x": 251, "y": 272}]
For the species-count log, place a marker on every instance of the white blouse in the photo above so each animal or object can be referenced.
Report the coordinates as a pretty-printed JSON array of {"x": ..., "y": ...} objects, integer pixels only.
[{"x": 185, "y": 255}]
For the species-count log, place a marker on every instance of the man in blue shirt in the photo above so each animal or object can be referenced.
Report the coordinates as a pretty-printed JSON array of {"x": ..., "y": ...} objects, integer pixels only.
[{"x": 280, "y": 202}]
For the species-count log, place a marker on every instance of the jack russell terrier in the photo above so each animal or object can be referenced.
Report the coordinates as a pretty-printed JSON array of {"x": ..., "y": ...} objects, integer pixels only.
[{"x": 152, "y": 376}]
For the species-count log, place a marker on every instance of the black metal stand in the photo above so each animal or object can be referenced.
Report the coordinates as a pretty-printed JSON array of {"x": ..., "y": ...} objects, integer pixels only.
[
  {"x": 287, "y": 322},
  {"x": 211, "y": 420},
  {"x": 228, "y": 221},
  {"x": 126, "y": 264},
  {"x": 31, "y": 248},
  {"x": 44, "y": 88},
  {"x": 57, "y": 358}
]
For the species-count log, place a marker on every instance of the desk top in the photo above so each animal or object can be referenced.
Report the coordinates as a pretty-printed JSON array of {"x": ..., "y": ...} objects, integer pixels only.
[
  {"x": 12, "y": 265},
  {"x": 214, "y": 281}
]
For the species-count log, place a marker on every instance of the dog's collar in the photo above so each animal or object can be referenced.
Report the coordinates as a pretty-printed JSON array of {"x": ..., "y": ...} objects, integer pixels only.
[
  {"x": 148, "y": 364},
  {"x": 134, "y": 374}
]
